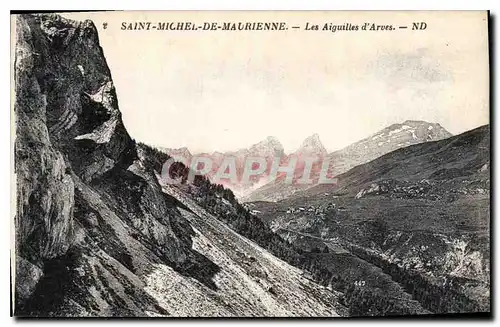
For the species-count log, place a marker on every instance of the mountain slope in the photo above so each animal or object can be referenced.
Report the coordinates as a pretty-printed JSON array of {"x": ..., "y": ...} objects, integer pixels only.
[
  {"x": 252, "y": 282},
  {"x": 421, "y": 214},
  {"x": 267, "y": 149},
  {"x": 95, "y": 233}
]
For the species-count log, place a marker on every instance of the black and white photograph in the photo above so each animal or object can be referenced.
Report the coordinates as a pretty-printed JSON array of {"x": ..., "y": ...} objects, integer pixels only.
[{"x": 251, "y": 164}]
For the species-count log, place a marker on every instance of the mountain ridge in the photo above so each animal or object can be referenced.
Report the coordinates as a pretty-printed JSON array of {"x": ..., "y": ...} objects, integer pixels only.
[
  {"x": 311, "y": 145},
  {"x": 419, "y": 215},
  {"x": 261, "y": 188},
  {"x": 384, "y": 141}
]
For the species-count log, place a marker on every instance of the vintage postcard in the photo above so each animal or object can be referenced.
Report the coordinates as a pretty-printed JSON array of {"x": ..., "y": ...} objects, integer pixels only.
[{"x": 250, "y": 164}]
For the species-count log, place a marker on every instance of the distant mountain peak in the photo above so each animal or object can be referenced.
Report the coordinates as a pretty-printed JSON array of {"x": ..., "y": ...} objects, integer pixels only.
[
  {"x": 270, "y": 144},
  {"x": 313, "y": 138},
  {"x": 417, "y": 123},
  {"x": 273, "y": 139},
  {"x": 312, "y": 144},
  {"x": 181, "y": 152}
]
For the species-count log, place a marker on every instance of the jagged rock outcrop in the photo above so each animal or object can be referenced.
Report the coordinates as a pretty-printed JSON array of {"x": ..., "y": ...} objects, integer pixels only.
[
  {"x": 421, "y": 214},
  {"x": 268, "y": 149}
]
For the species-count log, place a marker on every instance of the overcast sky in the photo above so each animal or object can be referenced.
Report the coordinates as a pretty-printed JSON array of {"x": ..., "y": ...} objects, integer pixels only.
[{"x": 227, "y": 90}]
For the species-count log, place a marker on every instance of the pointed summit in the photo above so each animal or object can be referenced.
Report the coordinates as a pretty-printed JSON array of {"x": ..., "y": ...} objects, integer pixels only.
[
  {"x": 271, "y": 141},
  {"x": 312, "y": 145},
  {"x": 269, "y": 146},
  {"x": 419, "y": 130}
]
